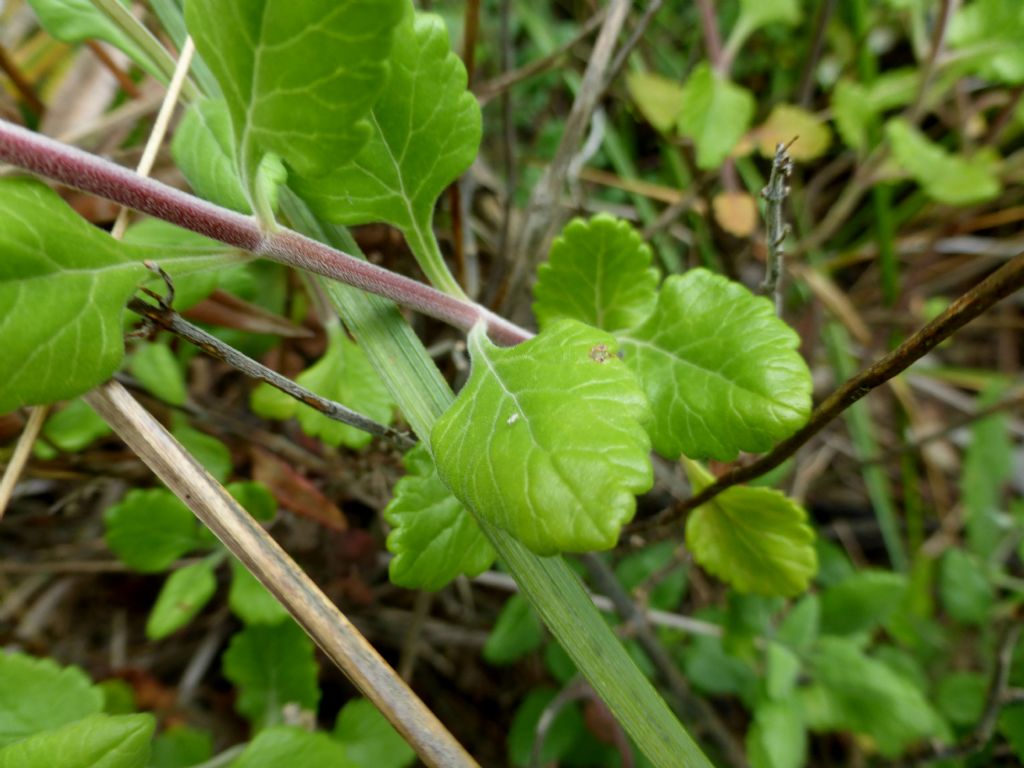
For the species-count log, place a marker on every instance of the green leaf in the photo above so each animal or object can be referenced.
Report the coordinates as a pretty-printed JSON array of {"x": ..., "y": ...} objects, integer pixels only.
[
  {"x": 287, "y": 745},
  {"x": 181, "y": 747},
  {"x": 97, "y": 741},
  {"x": 73, "y": 21},
  {"x": 992, "y": 29},
  {"x": 150, "y": 529},
  {"x": 861, "y": 602},
  {"x": 156, "y": 369},
  {"x": 565, "y": 731},
  {"x": 966, "y": 593},
  {"x": 860, "y": 694},
  {"x": 944, "y": 177},
  {"x": 759, "y": 13},
  {"x": 516, "y": 633},
  {"x": 1011, "y": 725},
  {"x": 782, "y": 668},
  {"x": 715, "y": 114},
  {"x": 37, "y": 695},
  {"x": 75, "y": 426},
  {"x": 118, "y": 697},
  {"x": 546, "y": 439},
  {"x": 599, "y": 272},
  {"x": 208, "y": 450},
  {"x": 755, "y": 539},
  {"x": 344, "y": 375},
  {"x": 272, "y": 666},
  {"x": 203, "y": 149},
  {"x": 987, "y": 466},
  {"x": 425, "y": 132},
  {"x": 182, "y": 596},
  {"x": 250, "y": 601},
  {"x": 800, "y": 628},
  {"x": 255, "y": 498},
  {"x": 433, "y": 538},
  {"x": 961, "y": 697},
  {"x": 655, "y": 559},
  {"x": 299, "y": 79},
  {"x": 721, "y": 371},
  {"x": 856, "y": 106},
  {"x": 777, "y": 738},
  {"x": 658, "y": 98},
  {"x": 63, "y": 287},
  {"x": 370, "y": 740}
]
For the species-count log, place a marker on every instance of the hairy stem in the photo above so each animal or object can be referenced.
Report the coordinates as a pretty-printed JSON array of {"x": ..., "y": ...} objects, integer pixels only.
[{"x": 93, "y": 174}]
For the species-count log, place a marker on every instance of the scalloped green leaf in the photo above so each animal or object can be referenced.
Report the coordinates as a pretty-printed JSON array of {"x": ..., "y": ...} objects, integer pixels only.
[
  {"x": 599, "y": 272},
  {"x": 344, "y": 375},
  {"x": 272, "y": 666},
  {"x": 370, "y": 740},
  {"x": 715, "y": 114},
  {"x": 150, "y": 529},
  {"x": 425, "y": 132},
  {"x": 288, "y": 745},
  {"x": 943, "y": 176},
  {"x": 433, "y": 537},
  {"x": 720, "y": 369},
  {"x": 37, "y": 695},
  {"x": 182, "y": 596},
  {"x": 63, "y": 287},
  {"x": 990, "y": 31},
  {"x": 547, "y": 439},
  {"x": 299, "y": 76},
  {"x": 754, "y": 539},
  {"x": 97, "y": 741}
]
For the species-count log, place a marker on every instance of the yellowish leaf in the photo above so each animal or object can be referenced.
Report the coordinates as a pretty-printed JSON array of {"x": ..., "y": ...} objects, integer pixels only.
[
  {"x": 736, "y": 213},
  {"x": 658, "y": 98},
  {"x": 813, "y": 136}
]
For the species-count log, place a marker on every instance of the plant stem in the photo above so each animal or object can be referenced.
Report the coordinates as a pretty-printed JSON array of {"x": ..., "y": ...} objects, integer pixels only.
[
  {"x": 775, "y": 194},
  {"x": 423, "y": 244},
  {"x": 1004, "y": 281},
  {"x": 90, "y": 173}
]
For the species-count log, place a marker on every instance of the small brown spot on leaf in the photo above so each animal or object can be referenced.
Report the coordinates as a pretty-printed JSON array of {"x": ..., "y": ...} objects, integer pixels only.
[{"x": 600, "y": 353}]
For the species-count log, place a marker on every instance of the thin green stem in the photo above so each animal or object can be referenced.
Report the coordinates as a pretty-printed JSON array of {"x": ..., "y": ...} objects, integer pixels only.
[{"x": 424, "y": 246}]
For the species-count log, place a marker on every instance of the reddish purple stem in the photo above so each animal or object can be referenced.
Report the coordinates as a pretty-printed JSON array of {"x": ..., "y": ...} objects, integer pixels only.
[{"x": 90, "y": 173}]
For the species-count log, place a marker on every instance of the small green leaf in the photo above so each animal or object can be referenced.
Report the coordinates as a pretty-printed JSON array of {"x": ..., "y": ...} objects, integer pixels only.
[
  {"x": 759, "y": 13},
  {"x": 156, "y": 369},
  {"x": 299, "y": 79},
  {"x": 370, "y": 740},
  {"x": 37, "y": 695},
  {"x": 182, "y": 596},
  {"x": 722, "y": 372},
  {"x": 658, "y": 98},
  {"x": 860, "y": 694},
  {"x": 63, "y": 287},
  {"x": 516, "y": 633},
  {"x": 755, "y": 539},
  {"x": 782, "y": 668},
  {"x": 966, "y": 592},
  {"x": 800, "y": 628},
  {"x": 74, "y": 21},
  {"x": 255, "y": 498},
  {"x": 1011, "y": 725},
  {"x": 344, "y": 375},
  {"x": 272, "y": 666},
  {"x": 118, "y": 697},
  {"x": 181, "y": 747},
  {"x": 777, "y": 738},
  {"x": 250, "y": 601},
  {"x": 637, "y": 567},
  {"x": 987, "y": 466},
  {"x": 286, "y": 745},
  {"x": 547, "y": 439},
  {"x": 961, "y": 697},
  {"x": 861, "y": 602},
  {"x": 97, "y": 741},
  {"x": 599, "y": 272},
  {"x": 715, "y": 114},
  {"x": 563, "y": 734},
  {"x": 992, "y": 29},
  {"x": 150, "y": 529},
  {"x": 856, "y": 106},
  {"x": 433, "y": 538},
  {"x": 944, "y": 177},
  {"x": 425, "y": 132},
  {"x": 75, "y": 426},
  {"x": 203, "y": 148},
  {"x": 208, "y": 450}
]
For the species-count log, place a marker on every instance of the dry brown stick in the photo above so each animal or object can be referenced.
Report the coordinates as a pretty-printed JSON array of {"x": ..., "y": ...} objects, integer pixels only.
[
  {"x": 21, "y": 83},
  {"x": 265, "y": 559},
  {"x": 997, "y": 286}
]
